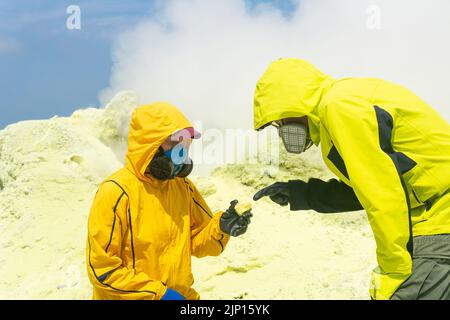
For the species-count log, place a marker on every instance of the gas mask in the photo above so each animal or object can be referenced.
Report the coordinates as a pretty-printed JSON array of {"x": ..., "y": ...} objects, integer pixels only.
[
  {"x": 172, "y": 163},
  {"x": 295, "y": 137}
]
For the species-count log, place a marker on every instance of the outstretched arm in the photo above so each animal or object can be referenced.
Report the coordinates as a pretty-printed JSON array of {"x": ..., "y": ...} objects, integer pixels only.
[{"x": 322, "y": 196}]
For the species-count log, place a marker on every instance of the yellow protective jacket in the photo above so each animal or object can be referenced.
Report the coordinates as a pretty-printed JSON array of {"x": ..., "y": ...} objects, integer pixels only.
[
  {"x": 142, "y": 232},
  {"x": 380, "y": 139}
]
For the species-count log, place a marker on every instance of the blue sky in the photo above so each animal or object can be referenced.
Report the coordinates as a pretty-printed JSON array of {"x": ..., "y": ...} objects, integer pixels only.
[{"x": 46, "y": 69}]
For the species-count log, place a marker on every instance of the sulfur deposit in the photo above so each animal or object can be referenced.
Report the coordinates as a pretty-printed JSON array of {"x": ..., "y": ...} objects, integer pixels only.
[{"x": 49, "y": 173}]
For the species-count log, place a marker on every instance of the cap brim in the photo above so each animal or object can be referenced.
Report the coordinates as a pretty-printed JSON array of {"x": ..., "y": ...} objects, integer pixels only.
[{"x": 194, "y": 133}]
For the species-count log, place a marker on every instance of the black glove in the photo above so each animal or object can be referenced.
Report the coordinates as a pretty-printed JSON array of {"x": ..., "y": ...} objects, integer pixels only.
[
  {"x": 277, "y": 192},
  {"x": 232, "y": 223}
]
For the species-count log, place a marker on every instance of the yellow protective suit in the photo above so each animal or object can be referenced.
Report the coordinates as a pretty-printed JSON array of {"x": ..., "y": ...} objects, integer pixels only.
[
  {"x": 380, "y": 139},
  {"x": 142, "y": 232}
]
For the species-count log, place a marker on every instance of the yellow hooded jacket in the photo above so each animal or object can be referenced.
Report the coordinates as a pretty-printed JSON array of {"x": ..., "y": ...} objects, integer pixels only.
[
  {"x": 378, "y": 138},
  {"x": 142, "y": 232}
]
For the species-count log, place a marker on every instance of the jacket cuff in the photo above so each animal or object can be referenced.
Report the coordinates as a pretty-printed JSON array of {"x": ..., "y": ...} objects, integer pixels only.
[
  {"x": 160, "y": 290},
  {"x": 298, "y": 197},
  {"x": 216, "y": 232},
  {"x": 383, "y": 285}
]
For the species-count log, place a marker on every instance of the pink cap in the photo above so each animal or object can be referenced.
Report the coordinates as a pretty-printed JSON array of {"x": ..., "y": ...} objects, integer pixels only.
[{"x": 194, "y": 133}]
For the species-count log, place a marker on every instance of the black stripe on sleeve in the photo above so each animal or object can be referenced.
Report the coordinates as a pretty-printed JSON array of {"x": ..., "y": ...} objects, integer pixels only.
[
  {"x": 195, "y": 201},
  {"x": 188, "y": 185},
  {"x": 129, "y": 223},
  {"x": 131, "y": 238},
  {"x": 221, "y": 244},
  {"x": 114, "y": 222},
  {"x": 198, "y": 204},
  {"x": 337, "y": 160},
  {"x": 385, "y": 127}
]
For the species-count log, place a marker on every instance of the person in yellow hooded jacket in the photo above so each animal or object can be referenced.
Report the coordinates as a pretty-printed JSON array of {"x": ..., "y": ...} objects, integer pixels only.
[
  {"x": 148, "y": 218},
  {"x": 391, "y": 153}
]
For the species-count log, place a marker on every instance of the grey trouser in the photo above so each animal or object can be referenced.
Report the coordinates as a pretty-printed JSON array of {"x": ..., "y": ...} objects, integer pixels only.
[{"x": 431, "y": 270}]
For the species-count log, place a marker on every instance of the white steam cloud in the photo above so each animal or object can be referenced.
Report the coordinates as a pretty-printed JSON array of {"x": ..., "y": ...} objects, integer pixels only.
[{"x": 206, "y": 56}]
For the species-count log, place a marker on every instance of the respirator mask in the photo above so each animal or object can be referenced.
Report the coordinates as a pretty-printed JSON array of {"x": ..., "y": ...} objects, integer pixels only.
[
  {"x": 172, "y": 163},
  {"x": 295, "y": 137}
]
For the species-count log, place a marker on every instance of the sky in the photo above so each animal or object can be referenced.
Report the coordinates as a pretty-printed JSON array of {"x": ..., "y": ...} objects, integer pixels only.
[
  {"x": 47, "y": 69},
  {"x": 207, "y": 55}
]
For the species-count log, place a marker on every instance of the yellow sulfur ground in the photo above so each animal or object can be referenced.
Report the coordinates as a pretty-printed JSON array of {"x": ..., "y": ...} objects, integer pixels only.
[{"x": 49, "y": 172}]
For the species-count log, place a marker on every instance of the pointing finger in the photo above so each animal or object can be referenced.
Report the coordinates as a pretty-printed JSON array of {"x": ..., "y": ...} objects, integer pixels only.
[{"x": 267, "y": 191}]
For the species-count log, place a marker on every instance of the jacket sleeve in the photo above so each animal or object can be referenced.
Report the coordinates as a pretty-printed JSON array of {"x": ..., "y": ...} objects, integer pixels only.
[
  {"x": 322, "y": 196},
  {"x": 207, "y": 239},
  {"x": 107, "y": 227},
  {"x": 362, "y": 136}
]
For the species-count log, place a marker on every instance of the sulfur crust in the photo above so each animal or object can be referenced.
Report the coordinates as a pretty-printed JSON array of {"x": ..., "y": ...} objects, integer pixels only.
[{"x": 242, "y": 208}]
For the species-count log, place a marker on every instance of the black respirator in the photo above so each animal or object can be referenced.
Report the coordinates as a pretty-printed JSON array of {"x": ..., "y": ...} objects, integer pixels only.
[{"x": 169, "y": 164}]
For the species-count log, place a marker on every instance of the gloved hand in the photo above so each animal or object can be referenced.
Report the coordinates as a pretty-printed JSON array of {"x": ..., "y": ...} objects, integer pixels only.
[
  {"x": 232, "y": 223},
  {"x": 277, "y": 192},
  {"x": 172, "y": 295}
]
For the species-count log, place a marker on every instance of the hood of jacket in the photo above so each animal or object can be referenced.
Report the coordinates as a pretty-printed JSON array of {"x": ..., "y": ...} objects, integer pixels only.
[
  {"x": 290, "y": 88},
  {"x": 150, "y": 126}
]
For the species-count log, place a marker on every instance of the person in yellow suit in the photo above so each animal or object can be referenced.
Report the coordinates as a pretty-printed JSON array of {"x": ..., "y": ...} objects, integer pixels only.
[
  {"x": 391, "y": 153},
  {"x": 148, "y": 218}
]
